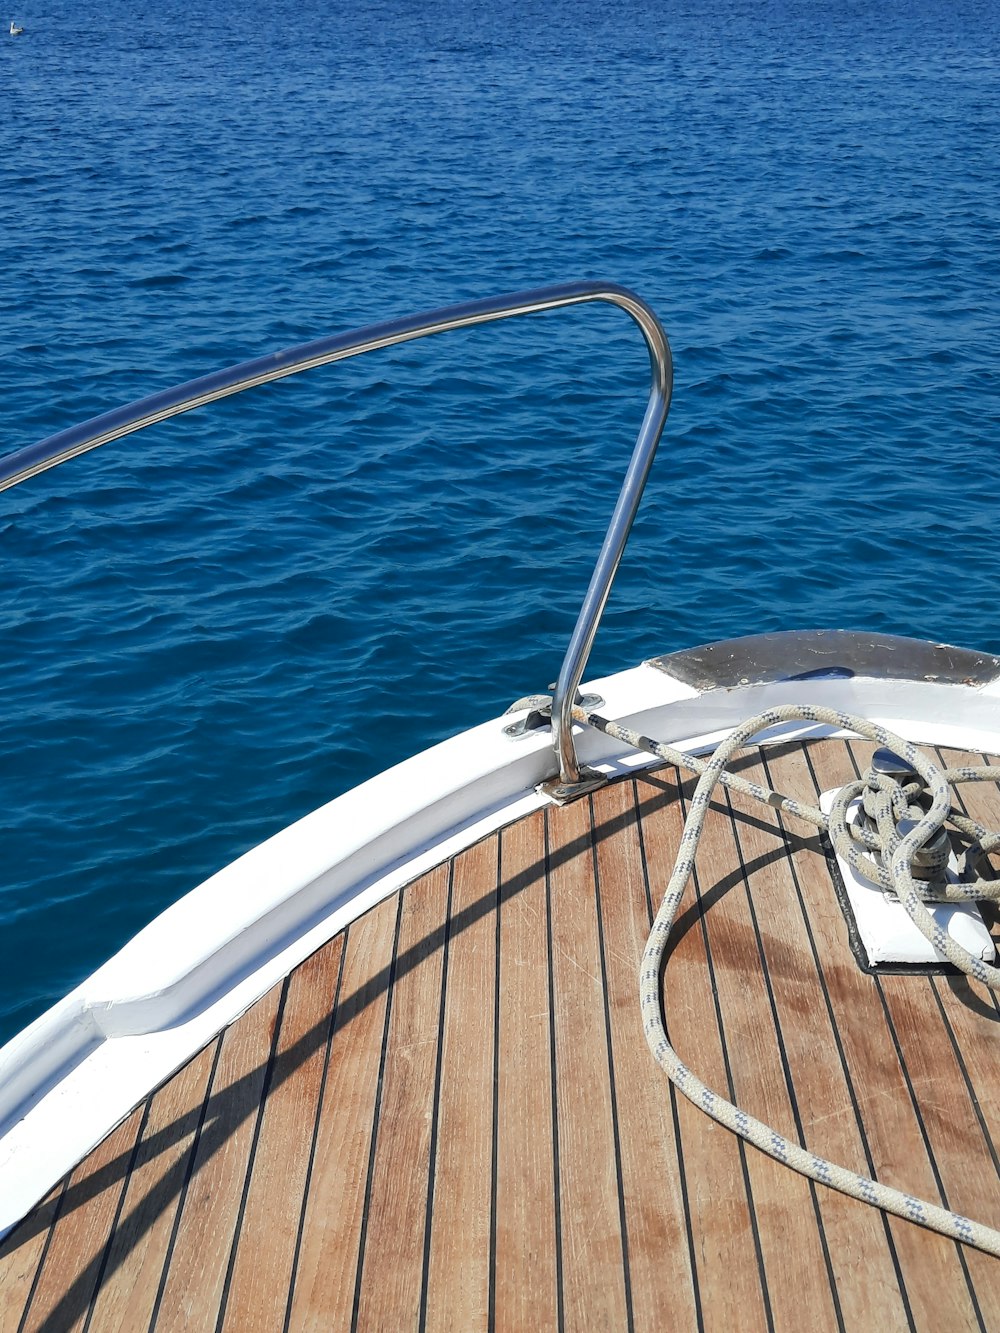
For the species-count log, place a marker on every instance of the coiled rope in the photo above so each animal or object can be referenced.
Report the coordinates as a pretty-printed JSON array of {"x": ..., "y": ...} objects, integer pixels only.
[{"x": 897, "y": 849}]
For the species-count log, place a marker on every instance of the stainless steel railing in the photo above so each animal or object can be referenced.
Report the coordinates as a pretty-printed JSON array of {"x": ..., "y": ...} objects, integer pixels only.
[{"x": 25, "y": 463}]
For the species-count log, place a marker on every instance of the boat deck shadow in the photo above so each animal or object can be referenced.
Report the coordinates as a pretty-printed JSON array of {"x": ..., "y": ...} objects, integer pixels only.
[{"x": 567, "y": 894}]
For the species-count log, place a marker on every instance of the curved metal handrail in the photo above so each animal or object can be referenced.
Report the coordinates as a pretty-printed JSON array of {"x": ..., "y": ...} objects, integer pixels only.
[{"x": 27, "y": 462}]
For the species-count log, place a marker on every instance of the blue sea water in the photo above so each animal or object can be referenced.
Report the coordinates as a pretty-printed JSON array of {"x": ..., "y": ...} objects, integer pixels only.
[{"x": 209, "y": 629}]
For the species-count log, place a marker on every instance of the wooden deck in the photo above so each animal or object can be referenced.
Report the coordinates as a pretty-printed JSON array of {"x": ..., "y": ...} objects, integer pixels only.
[{"x": 448, "y": 1117}]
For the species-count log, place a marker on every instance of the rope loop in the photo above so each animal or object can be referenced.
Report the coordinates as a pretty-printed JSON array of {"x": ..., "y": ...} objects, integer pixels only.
[{"x": 898, "y": 841}]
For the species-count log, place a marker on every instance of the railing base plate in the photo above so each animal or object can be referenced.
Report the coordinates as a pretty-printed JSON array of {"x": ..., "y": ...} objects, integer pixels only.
[{"x": 563, "y": 792}]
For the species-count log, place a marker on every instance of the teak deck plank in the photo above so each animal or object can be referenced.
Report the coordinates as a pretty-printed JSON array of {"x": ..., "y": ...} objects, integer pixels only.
[
  {"x": 754, "y": 1056},
  {"x": 858, "y": 1242},
  {"x": 136, "y": 1257},
  {"x": 265, "y": 1243},
  {"x": 594, "y": 1281},
  {"x": 525, "y": 1265},
  {"x": 731, "y": 1285},
  {"x": 447, "y": 1117},
  {"x": 954, "y": 1136},
  {"x": 460, "y": 1212},
  {"x": 774, "y": 1061},
  {"x": 21, "y": 1255},
  {"x": 391, "y": 1278},
  {"x": 324, "y": 1280},
  {"x": 71, "y": 1267},
  {"x": 660, "y": 1261},
  {"x": 198, "y": 1259}
]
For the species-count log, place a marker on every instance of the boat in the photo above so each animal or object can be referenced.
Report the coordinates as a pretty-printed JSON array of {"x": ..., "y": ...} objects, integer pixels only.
[
  {"x": 403, "y": 1064},
  {"x": 15, "y": 29}
]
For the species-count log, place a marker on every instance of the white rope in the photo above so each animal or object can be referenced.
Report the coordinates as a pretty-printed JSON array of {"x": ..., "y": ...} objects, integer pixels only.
[{"x": 899, "y": 855}]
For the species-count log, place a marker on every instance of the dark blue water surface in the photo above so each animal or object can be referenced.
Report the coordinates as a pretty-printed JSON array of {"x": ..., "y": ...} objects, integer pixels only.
[{"x": 209, "y": 629}]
